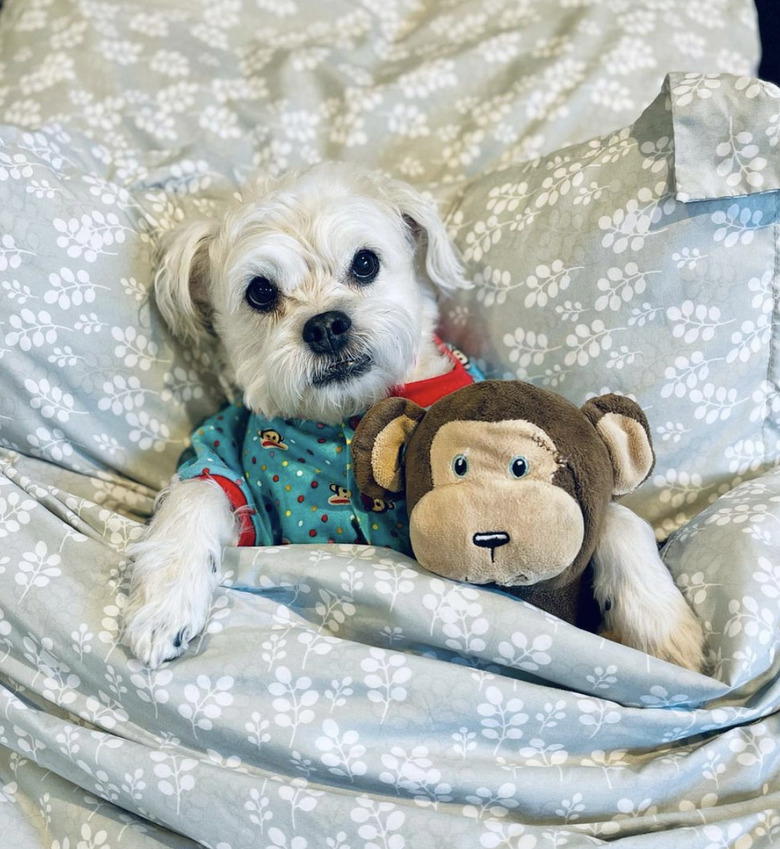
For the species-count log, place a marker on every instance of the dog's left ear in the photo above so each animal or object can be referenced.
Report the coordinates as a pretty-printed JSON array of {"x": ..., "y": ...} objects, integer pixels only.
[{"x": 441, "y": 260}]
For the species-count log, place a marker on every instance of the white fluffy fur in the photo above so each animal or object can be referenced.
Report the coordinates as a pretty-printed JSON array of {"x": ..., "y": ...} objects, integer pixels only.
[
  {"x": 646, "y": 610},
  {"x": 302, "y": 233},
  {"x": 176, "y": 568}
]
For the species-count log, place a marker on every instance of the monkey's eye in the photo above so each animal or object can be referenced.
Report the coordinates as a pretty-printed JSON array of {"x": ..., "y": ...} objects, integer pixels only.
[
  {"x": 519, "y": 466},
  {"x": 460, "y": 465},
  {"x": 365, "y": 266},
  {"x": 261, "y": 294}
]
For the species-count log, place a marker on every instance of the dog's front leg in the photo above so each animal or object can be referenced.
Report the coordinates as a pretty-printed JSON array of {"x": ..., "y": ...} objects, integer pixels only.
[
  {"x": 639, "y": 600},
  {"x": 175, "y": 569}
]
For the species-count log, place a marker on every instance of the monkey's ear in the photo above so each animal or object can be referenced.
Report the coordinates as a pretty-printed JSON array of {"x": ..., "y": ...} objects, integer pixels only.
[
  {"x": 378, "y": 443},
  {"x": 623, "y": 428}
]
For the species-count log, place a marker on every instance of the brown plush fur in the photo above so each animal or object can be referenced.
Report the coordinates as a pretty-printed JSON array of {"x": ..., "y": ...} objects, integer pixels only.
[{"x": 591, "y": 454}]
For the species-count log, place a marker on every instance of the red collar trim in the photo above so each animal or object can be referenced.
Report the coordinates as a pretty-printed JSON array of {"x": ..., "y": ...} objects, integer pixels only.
[
  {"x": 429, "y": 391},
  {"x": 243, "y": 512}
]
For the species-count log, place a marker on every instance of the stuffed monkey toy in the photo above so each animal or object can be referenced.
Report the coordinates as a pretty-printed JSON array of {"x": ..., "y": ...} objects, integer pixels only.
[{"x": 510, "y": 484}]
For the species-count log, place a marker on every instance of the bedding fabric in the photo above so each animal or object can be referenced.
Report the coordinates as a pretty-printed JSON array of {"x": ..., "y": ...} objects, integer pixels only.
[{"x": 340, "y": 696}]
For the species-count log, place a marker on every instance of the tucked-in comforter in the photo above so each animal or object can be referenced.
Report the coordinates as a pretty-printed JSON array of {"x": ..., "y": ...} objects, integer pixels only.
[{"x": 620, "y": 226}]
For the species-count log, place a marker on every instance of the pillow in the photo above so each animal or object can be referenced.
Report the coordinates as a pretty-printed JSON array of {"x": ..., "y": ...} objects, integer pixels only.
[
  {"x": 643, "y": 263},
  {"x": 89, "y": 377},
  {"x": 726, "y": 563},
  {"x": 431, "y": 91}
]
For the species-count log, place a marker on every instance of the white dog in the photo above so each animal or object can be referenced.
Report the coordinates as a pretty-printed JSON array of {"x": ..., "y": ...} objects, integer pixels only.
[{"x": 322, "y": 291}]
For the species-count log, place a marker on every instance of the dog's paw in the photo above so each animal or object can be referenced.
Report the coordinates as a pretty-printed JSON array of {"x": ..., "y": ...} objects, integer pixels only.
[
  {"x": 641, "y": 605},
  {"x": 674, "y": 635},
  {"x": 155, "y": 639},
  {"x": 682, "y": 642},
  {"x": 163, "y": 615}
]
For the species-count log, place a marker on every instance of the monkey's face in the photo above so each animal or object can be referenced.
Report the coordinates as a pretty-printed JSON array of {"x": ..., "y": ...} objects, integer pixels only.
[
  {"x": 505, "y": 482},
  {"x": 498, "y": 510}
]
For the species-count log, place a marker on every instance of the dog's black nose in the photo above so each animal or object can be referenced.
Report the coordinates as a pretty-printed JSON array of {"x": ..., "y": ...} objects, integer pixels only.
[
  {"x": 328, "y": 332},
  {"x": 491, "y": 540}
]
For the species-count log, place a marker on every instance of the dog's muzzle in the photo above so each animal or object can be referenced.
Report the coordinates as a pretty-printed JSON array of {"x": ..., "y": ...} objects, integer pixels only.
[
  {"x": 341, "y": 370},
  {"x": 329, "y": 334}
]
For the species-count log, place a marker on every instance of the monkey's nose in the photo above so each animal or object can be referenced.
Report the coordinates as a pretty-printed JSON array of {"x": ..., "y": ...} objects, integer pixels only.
[
  {"x": 328, "y": 332},
  {"x": 491, "y": 540}
]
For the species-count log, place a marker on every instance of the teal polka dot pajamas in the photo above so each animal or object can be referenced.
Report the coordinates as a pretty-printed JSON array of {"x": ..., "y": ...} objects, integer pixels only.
[{"x": 291, "y": 480}]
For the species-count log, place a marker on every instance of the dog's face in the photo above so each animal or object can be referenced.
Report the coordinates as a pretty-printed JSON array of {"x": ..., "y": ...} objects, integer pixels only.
[{"x": 321, "y": 289}]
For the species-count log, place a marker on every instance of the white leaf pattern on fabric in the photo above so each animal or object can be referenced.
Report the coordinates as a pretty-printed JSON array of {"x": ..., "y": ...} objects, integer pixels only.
[{"x": 344, "y": 698}]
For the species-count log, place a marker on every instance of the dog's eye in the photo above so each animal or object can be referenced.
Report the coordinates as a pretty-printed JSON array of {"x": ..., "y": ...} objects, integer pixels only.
[
  {"x": 261, "y": 294},
  {"x": 365, "y": 266}
]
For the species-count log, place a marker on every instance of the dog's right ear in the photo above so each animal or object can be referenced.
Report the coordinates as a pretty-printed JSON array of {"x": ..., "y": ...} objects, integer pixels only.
[
  {"x": 183, "y": 278},
  {"x": 378, "y": 445},
  {"x": 442, "y": 264}
]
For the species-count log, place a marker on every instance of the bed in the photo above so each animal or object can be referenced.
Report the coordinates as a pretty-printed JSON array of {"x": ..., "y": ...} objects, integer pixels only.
[{"x": 610, "y": 172}]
